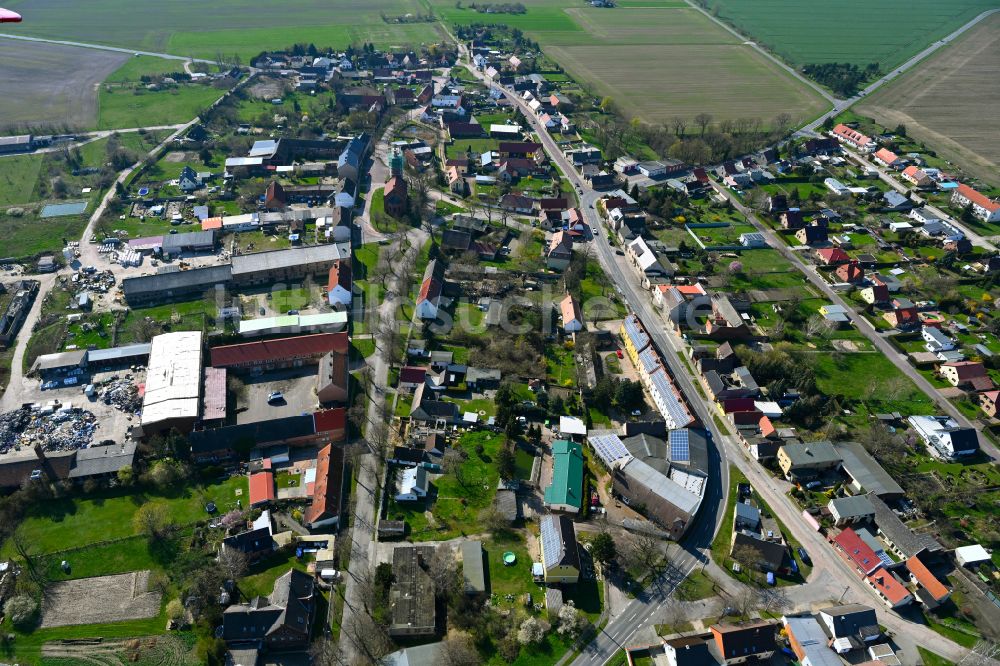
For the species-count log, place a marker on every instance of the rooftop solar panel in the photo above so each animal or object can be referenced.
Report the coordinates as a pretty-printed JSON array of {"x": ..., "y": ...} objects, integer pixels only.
[
  {"x": 680, "y": 451},
  {"x": 551, "y": 541},
  {"x": 609, "y": 447}
]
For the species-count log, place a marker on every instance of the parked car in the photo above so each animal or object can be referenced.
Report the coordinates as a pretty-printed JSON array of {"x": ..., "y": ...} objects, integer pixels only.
[
  {"x": 618, "y": 353},
  {"x": 804, "y": 555},
  {"x": 275, "y": 396}
]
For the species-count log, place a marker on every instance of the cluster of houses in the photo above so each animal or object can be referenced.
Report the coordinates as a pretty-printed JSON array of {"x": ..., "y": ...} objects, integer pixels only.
[{"x": 818, "y": 639}]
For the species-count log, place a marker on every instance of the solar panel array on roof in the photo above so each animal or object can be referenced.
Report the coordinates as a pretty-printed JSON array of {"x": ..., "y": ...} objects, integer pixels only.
[
  {"x": 676, "y": 414},
  {"x": 609, "y": 447},
  {"x": 551, "y": 541},
  {"x": 680, "y": 451},
  {"x": 636, "y": 333},
  {"x": 649, "y": 359}
]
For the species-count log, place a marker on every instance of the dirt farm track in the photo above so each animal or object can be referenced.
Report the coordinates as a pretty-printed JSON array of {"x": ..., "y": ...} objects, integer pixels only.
[
  {"x": 925, "y": 101},
  {"x": 51, "y": 82}
]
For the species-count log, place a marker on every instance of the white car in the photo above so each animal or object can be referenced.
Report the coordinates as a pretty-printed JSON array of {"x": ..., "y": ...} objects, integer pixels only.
[{"x": 275, "y": 396}]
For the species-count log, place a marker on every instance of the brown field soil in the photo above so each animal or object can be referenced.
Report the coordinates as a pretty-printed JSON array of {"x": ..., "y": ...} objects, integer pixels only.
[
  {"x": 50, "y": 85},
  {"x": 951, "y": 101},
  {"x": 99, "y": 600},
  {"x": 728, "y": 81}
]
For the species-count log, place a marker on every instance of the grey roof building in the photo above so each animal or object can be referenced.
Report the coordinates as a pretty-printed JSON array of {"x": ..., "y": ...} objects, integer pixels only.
[
  {"x": 283, "y": 619},
  {"x": 412, "y": 594},
  {"x": 865, "y": 473},
  {"x": 473, "y": 568},
  {"x": 292, "y": 264},
  {"x": 901, "y": 539},
  {"x": 852, "y": 621},
  {"x": 172, "y": 285},
  {"x": 102, "y": 460},
  {"x": 851, "y": 509}
]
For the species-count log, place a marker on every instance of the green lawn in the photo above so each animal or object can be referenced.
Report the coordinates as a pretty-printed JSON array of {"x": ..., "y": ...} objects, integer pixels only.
[
  {"x": 260, "y": 579},
  {"x": 460, "y": 497},
  {"x": 108, "y": 514},
  {"x": 560, "y": 365},
  {"x": 932, "y": 659},
  {"x": 296, "y": 298},
  {"x": 119, "y": 107},
  {"x": 722, "y": 541}
]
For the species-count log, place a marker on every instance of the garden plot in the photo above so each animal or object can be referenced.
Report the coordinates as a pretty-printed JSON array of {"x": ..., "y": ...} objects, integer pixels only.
[{"x": 103, "y": 599}]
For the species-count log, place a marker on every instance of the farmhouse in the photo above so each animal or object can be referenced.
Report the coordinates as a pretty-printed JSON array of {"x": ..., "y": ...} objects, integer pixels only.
[
  {"x": 431, "y": 287},
  {"x": 804, "y": 461},
  {"x": 169, "y": 286},
  {"x": 282, "y": 620},
  {"x": 572, "y": 318},
  {"x": 291, "y": 352}
]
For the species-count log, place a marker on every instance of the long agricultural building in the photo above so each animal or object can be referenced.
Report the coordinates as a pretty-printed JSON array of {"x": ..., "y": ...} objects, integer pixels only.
[{"x": 291, "y": 265}]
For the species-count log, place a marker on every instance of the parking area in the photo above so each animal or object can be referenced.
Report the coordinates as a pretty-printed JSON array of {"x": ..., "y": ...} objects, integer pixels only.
[{"x": 298, "y": 389}]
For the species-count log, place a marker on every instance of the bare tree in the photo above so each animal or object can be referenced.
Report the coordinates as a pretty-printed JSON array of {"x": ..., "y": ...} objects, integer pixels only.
[
  {"x": 773, "y": 600},
  {"x": 672, "y": 615},
  {"x": 233, "y": 563},
  {"x": 703, "y": 120},
  {"x": 747, "y": 556},
  {"x": 459, "y": 650},
  {"x": 678, "y": 125},
  {"x": 745, "y": 601},
  {"x": 983, "y": 653},
  {"x": 782, "y": 121},
  {"x": 443, "y": 571}
]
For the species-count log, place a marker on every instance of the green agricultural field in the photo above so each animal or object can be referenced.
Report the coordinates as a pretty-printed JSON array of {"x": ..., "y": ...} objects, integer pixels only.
[
  {"x": 228, "y": 27},
  {"x": 658, "y": 59},
  {"x": 855, "y": 31}
]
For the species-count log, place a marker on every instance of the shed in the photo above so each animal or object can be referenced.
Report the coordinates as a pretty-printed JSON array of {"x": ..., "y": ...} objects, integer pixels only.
[
  {"x": 971, "y": 555},
  {"x": 473, "y": 567}
]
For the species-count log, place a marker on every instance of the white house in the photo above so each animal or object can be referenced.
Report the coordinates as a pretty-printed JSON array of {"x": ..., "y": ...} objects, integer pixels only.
[
  {"x": 413, "y": 484},
  {"x": 983, "y": 207},
  {"x": 935, "y": 340},
  {"x": 430, "y": 292},
  {"x": 943, "y": 436}
]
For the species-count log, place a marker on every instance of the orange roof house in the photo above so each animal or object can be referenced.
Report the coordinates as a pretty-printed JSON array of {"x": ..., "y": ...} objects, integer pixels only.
[{"x": 261, "y": 488}]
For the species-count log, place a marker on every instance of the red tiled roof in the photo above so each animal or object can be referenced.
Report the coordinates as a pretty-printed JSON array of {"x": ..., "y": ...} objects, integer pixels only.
[
  {"x": 966, "y": 369},
  {"x": 832, "y": 255},
  {"x": 395, "y": 183},
  {"x": 211, "y": 223},
  {"x": 570, "y": 310},
  {"x": 914, "y": 172},
  {"x": 327, "y": 487},
  {"x": 857, "y": 551},
  {"x": 430, "y": 289},
  {"x": 261, "y": 487},
  {"x": 253, "y": 353},
  {"x": 850, "y": 272},
  {"x": 891, "y": 587},
  {"x": 340, "y": 274},
  {"x": 766, "y": 427},
  {"x": 926, "y": 579},
  {"x": 886, "y": 155},
  {"x": 851, "y": 135},
  {"x": 978, "y": 198},
  {"x": 330, "y": 420}
]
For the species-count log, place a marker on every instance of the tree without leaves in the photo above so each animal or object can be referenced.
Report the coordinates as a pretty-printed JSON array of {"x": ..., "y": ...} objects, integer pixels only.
[
  {"x": 459, "y": 649},
  {"x": 747, "y": 556},
  {"x": 506, "y": 464},
  {"x": 233, "y": 563},
  {"x": 703, "y": 120}
]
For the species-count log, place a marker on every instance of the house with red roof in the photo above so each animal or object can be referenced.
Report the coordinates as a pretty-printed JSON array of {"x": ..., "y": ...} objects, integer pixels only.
[
  {"x": 261, "y": 488},
  {"x": 983, "y": 207},
  {"x": 431, "y": 287},
  {"x": 890, "y": 589},
  {"x": 340, "y": 285},
  {"x": 875, "y": 293},
  {"x": 931, "y": 592},
  {"x": 394, "y": 196},
  {"x": 856, "y": 552},
  {"x": 917, "y": 176},
  {"x": 988, "y": 402},
  {"x": 886, "y": 158},
  {"x": 903, "y": 313},
  {"x": 411, "y": 376},
  {"x": 831, "y": 256},
  {"x": 970, "y": 374},
  {"x": 850, "y": 272},
  {"x": 326, "y": 496},
  {"x": 572, "y": 318},
  {"x": 854, "y": 138}
]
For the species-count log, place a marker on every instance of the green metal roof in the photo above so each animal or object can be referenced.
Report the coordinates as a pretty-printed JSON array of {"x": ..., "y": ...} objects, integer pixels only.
[{"x": 567, "y": 474}]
